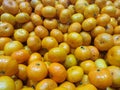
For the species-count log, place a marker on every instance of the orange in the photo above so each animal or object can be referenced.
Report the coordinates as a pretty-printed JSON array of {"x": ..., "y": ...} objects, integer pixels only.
[
  {"x": 10, "y": 6},
  {"x": 97, "y": 30},
  {"x": 22, "y": 17},
  {"x": 59, "y": 7},
  {"x": 110, "y": 10},
  {"x": 46, "y": 84},
  {"x": 86, "y": 38},
  {"x": 101, "y": 63},
  {"x": 68, "y": 85},
  {"x": 94, "y": 51},
  {"x": 34, "y": 56},
  {"x": 25, "y": 7},
  {"x": 89, "y": 24},
  {"x": 41, "y": 31},
  {"x": 103, "y": 19},
  {"x": 18, "y": 84},
  {"x": 112, "y": 56},
  {"x": 113, "y": 22},
  {"x": 82, "y": 53},
  {"x": 70, "y": 61},
  {"x": 7, "y": 29},
  {"x": 55, "y": 33},
  {"x": 48, "y": 11},
  {"x": 22, "y": 72},
  {"x": 65, "y": 46},
  {"x": 116, "y": 30},
  {"x": 12, "y": 46},
  {"x": 50, "y": 24},
  {"x": 116, "y": 38},
  {"x": 87, "y": 66},
  {"x": 7, "y": 17},
  {"x": 37, "y": 70},
  {"x": 57, "y": 54},
  {"x": 65, "y": 3},
  {"x": 74, "y": 39},
  {"x": 65, "y": 16},
  {"x": 34, "y": 3},
  {"x": 74, "y": 27},
  {"x": 21, "y": 35},
  {"x": 38, "y": 8},
  {"x": 3, "y": 41},
  {"x": 114, "y": 70},
  {"x": 109, "y": 29},
  {"x": 7, "y": 83},
  {"x": 34, "y": 43},
  {"x": 29, "y": 26},
  {"x": 57, "y": 72},
  {"x": 71, "y": 8},
  {"x": 47, "y": 2},
  {"x": 80, "y": 6},
  {"x": 100, "y": 3},
  {"x": 36, "y": 19},
  {"x": 86, "y": 87},
  {"x": 77, "y": 17},
  {"x": 103, "y": 41},
  {"x": 74, "y": 74},
  {"x": 21, "y": 55},
  {"x": 100, "y": 77},
  {"x": 8, "y": 66},
  {"x": 63, "y": 27},
  {"x": 49, "y": 42},
  {"x": 91, "y": 10}
]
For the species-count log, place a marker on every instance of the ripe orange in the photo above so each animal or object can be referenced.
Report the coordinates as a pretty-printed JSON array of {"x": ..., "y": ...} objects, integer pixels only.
[
  {"x": 68, "y": 85},
  {"x": 7, "y": 83},
  {"x": 86, "y": 38},
  {"x": 49, "y": 42},
  {"x": 86, "y": 87},
  {"x": 103, "y": 41},
  {"x": 82, "y": 53},
  {"x": 34, "y": 43},
  {"x": 89, "y": 24},
  {"x": 94, "y": 51},
  {"x": 41, "y": 31},
  {"x": 100, "y": 77},
  {"x": 34, "y": 56},
  {"x": 46, "y": 84},
  {"x": 87, "y": 66},
  {"x": 37, "y": 70},
  {"x": 6, "y": 29},
  {"x": 55, "y": 33},
  {"x": 3, "y": 41},
  {"x": 12, "y": 46},
  {"x": 74, "y": 74},
  {"x": 57, "y": 54},
  {"x": 8, "y": 66},
  {"x": 22, "y": 72},
  {"x": 74, "y": 27},
  {"x": 74, "y": 39},
  {"x": 57, "y": 72},
  {"x": 112, "y": 56},
  {"x": 21, "y": 55}
]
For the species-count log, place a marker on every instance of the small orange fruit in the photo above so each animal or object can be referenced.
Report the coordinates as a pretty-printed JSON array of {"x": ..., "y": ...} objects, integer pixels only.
[
  {"x": 46, "y": 84},
  {"x": 57, "y": 54},
  {"x": 57, "y": 72},
  {"x": 37, "y": 70}
]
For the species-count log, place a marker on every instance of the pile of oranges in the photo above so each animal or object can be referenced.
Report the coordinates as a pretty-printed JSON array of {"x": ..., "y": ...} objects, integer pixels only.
[{"x": 59, "y": 44}]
